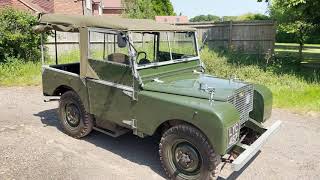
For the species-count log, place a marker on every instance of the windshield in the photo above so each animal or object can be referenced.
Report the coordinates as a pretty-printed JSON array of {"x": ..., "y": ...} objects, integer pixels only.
[{"x": 154, "y": 49}]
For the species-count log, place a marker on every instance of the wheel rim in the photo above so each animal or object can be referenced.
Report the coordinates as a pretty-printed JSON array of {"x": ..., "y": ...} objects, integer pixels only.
[
  {"x": 186, "y": 158},
  {"x": 72, "y": 115}
]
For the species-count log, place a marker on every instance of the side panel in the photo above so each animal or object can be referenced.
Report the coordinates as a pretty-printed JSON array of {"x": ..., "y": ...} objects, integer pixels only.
[
  {"x": 54, "y": 78},
  {"x": 262, "y": 103},
  {"x": 153, "y": 109},
  {"x": 109, "y": 93},
  {"x": 108, "y": 103}
]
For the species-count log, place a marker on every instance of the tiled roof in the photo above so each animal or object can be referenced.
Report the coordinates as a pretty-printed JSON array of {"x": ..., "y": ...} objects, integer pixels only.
[
  {"x": 32, "y": 6},
  {"x": 45, "y": 4}
]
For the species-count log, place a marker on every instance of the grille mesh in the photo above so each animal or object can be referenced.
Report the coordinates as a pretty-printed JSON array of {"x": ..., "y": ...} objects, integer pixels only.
[{"x": 242, "y": 99}]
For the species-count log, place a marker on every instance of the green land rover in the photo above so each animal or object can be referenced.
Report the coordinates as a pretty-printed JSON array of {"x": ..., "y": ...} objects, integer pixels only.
[{"x": 147, "y": 78}]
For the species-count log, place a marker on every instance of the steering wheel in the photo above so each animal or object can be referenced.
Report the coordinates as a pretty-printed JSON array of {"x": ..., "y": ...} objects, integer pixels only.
[
  {"x": 142, "y": 52},
  {"x": 143, "y": 60}
]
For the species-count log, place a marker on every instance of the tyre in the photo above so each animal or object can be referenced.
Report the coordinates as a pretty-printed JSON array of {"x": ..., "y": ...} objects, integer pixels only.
[
  {"x": 186, "y": 154},
  {"x": 74, "y": 119}
]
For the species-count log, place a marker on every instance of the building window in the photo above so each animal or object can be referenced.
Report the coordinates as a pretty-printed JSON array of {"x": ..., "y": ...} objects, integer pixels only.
[{"x": 178, "y": 20}]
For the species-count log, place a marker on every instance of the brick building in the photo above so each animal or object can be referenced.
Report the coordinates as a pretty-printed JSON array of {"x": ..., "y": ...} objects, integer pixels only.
[{"x": 88, "y": 7}]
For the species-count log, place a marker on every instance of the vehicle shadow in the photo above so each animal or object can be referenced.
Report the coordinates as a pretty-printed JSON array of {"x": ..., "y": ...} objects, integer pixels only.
[{"x": 142, "y": 151}]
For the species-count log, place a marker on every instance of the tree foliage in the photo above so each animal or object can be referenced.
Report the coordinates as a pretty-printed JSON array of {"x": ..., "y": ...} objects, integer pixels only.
[
  {"x": 16, "y": 36},
  {"x": 244, "y": 17},
  {"x": 292, "y": 19},
  {"x": 163, "y": 7},
  {"x": 147, "y": 9},
  {"x": 202, "y": 18},
  {"x": 309, "y": 9},
  {"x": 252, "y": 17}
]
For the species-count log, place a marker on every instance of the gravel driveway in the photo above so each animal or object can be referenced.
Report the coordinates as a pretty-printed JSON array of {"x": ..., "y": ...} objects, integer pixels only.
[{"x": 32, "y": 146}]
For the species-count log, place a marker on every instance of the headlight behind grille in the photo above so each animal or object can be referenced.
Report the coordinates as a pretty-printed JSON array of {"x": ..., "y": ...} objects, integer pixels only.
[{"x": 243, "y": 101}]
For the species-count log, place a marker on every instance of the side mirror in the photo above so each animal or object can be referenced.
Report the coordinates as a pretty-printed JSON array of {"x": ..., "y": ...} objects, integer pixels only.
[{"x": 122, "y": 42}]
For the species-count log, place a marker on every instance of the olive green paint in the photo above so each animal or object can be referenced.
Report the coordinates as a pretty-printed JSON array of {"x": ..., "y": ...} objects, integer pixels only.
[
  {"x": 165, "y": 93},
  {"x": 53, "y": 79},
  {"x": 116, "y": 73},
  {"x": 262, "y": 103},
  {"x": 154, "y": 108}
]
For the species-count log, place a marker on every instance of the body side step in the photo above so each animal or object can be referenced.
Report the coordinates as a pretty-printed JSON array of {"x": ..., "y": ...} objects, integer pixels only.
[{"x": 112, "y": 133}]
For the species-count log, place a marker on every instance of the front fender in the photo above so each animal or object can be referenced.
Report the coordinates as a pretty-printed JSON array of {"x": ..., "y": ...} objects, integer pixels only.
[
  {"x": 262, "y": 103},
  {"x": 153, "y": 108}
]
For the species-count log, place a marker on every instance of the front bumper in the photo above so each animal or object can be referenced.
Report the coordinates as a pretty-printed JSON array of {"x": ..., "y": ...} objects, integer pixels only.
[{"x": 251, "y": 150}]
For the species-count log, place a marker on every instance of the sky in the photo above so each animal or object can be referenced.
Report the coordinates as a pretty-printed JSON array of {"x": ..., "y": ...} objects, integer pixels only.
[{"x": 193, "y": 8}]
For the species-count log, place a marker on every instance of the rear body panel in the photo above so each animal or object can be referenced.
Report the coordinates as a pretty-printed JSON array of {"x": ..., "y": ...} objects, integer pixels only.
[{"x": 53, "y": 79}]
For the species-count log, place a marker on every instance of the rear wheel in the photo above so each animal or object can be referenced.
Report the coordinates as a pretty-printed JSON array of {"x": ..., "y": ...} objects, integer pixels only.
[
  {"x": 186, "y": 154},
  {"x": 74, "y": 119}
]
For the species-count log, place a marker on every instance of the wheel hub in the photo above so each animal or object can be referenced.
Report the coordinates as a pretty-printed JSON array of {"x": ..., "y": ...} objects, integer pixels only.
[
  {"x": 72, "y": 115},
  {"x": 187, "y": 157}
]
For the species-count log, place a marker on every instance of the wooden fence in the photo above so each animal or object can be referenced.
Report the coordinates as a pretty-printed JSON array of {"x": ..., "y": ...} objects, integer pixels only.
[{"x": 252, "y": 37}]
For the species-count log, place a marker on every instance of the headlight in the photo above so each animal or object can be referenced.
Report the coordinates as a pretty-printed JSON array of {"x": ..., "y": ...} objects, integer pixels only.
[{"x": 233, "y": 134}]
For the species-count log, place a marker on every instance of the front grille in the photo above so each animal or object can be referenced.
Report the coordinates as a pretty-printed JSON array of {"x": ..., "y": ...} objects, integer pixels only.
[{"x": 242, "y": 99}]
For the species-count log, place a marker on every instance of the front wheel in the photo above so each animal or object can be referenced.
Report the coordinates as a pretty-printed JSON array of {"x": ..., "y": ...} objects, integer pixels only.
[{"x": 186, "y": 154}]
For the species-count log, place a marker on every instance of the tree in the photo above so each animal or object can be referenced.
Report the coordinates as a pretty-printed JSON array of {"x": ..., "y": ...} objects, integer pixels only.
[
  {"x": 147, "y": 9},
  {"x": 252, "y": 17},
  {"x": 163, "y": 7},
  {"x": 230, "y": 18},
  {"x": 202, "y": 18},
  {"x": 244, "y": 17},
  {"x": 309, "y": 9},
  {"x": 291, "y": 18},
  {"x": 16, "y": 36}
]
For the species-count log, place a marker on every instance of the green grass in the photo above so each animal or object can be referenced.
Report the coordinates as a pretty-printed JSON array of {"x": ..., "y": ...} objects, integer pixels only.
[
  {"x": 17, "y": 73},
  {"x": 292, "y": 88},
  {"x": 296, "y": 45},
  {"x": 311, "y": 52}
]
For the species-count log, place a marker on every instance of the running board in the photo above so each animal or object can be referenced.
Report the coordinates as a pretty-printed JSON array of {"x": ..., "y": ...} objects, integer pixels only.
[
  {"x": 51, "y": 98},
  {"x": 112, "y": 133}
]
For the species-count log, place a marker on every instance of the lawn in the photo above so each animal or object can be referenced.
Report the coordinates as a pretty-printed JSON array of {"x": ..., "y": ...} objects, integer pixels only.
[{"x": 311, "y": 52}]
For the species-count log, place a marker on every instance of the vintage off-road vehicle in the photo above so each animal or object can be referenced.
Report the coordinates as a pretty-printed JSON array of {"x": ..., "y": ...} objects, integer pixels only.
[{"x": 155, "y": 85}]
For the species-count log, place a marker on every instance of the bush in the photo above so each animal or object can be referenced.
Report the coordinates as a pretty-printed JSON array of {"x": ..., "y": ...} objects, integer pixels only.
[{"x": 16, "y": 36}]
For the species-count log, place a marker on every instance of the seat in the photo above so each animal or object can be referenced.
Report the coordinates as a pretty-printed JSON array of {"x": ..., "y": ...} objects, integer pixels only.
[{"x": 119, "y": 58}]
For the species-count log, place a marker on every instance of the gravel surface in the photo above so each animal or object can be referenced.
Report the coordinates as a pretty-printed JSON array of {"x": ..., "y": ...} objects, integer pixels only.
[{"x": 32, "y": 146}]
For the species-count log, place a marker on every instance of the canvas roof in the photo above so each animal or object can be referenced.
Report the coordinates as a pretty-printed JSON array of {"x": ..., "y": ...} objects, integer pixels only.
[{"x": 73, "y": 22}]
